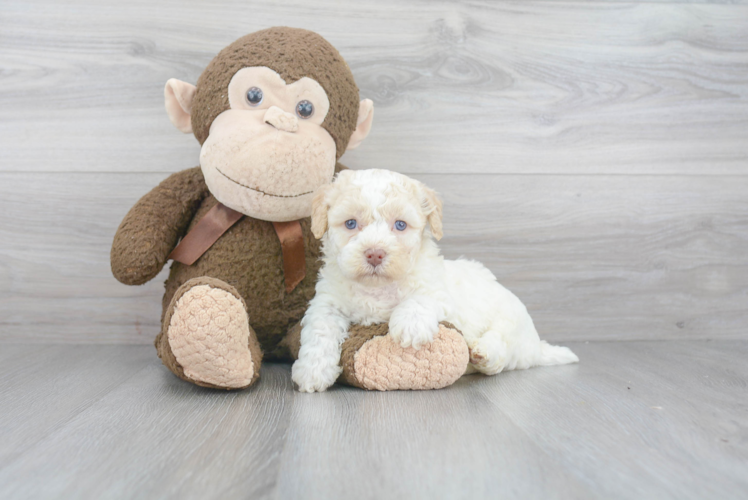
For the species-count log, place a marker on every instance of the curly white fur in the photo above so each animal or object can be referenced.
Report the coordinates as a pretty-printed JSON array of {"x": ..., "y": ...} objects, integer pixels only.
[{"x": 414, "y": 288}]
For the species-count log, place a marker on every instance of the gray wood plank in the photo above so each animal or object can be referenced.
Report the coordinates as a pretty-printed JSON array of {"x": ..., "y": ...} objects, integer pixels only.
[
  {"x": 414, "y": 445},
  {"x": 593, "y": 257},
  {"x": 511, "y": 87},
  {"x": 42, "y": 387},
  {"x": 639, "y": 419},
  {"x": 55, "y": 269},
  {"x": 159, "y": 437},
  {"x": 633, "y": 420},
  {"x": 621, "y": 257},
  {"x": 12, "y": 351}
]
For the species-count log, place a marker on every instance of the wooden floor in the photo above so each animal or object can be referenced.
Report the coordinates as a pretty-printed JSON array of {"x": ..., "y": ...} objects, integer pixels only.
[
  {"x": 659, "y": 419},
  {"x": 593, "y": 154}
]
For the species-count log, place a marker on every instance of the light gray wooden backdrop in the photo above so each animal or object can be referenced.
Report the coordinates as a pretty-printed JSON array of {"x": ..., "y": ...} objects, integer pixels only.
[{"x": 593, "y": 154}]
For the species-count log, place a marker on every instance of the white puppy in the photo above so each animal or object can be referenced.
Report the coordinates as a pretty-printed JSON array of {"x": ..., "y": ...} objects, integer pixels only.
[{"x": 381, "y": 264}]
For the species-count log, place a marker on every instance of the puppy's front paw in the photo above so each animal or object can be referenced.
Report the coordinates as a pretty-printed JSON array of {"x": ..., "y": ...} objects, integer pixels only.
[
  {"x": 314, "y": 377},
  {"x": 412, "y": 330}
]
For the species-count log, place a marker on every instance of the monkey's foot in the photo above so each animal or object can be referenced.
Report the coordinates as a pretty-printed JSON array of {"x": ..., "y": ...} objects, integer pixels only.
[
  {"x": 371, "y": 360},
  {"x": 206, "y": 338}
]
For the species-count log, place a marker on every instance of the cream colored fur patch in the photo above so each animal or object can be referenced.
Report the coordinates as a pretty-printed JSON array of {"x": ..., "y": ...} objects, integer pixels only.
[{"x": 209, "y": 334}]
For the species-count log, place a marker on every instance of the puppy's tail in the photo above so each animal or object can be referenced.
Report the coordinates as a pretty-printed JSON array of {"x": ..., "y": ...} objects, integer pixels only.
[{"x": 555, "y": 355}]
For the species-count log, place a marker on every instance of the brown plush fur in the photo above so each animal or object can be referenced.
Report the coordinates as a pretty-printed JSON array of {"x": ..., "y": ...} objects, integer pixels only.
[
  {"x": 151, "y": 229},
  {"x": 293, "y": 53},
  {"x": 288, "y": 348}
]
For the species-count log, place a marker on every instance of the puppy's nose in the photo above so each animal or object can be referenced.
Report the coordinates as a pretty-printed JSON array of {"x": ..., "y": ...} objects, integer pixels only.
[
  {"x": 375, "y": 256},
  {"x": 281, "y": 120}
]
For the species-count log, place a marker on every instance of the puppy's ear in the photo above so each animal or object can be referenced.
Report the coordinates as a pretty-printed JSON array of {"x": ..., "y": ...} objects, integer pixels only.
[
  {"x": 319, "y": 212},
  {"x": 432, "y": 208}
]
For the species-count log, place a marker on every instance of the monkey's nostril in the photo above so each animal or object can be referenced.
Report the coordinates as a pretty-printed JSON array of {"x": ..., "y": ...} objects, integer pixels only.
[{"x": 375, "y": 256}]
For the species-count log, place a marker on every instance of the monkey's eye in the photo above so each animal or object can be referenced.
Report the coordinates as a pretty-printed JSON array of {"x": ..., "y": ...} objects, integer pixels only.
[
  {"x": 350, "y": 224},
  {"x": 305, "y": 109},
  {"x": 254, "y": 96},
  {"x": 400, "y": 225}
]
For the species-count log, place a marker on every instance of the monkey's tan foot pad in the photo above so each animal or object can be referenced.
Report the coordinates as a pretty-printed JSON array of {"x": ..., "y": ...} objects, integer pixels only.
[
  {"x": 210, "y": 336},
  {"x": 381, "y": 364}
]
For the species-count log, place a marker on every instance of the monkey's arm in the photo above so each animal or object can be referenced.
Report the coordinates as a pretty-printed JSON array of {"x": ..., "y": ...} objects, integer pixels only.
[{"x": 150, "y": 230}]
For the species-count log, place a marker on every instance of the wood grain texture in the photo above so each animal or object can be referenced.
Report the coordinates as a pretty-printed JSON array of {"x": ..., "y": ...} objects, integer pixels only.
[
  {"x": 472, "y": 86},
  {"x": 42, "y": 387},
  {"x": 643, "y": 410},
  {"x": 395, "y": 445},
  {"x": 158, "y": 434},
  {"x": 632, "y": 420},
  {"x": 593, "y": 257}
]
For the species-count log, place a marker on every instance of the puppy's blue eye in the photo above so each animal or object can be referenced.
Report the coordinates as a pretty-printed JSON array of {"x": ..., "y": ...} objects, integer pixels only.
[
  {"x": 400, "y": 225},
  {"x": 350, "y": 224}
]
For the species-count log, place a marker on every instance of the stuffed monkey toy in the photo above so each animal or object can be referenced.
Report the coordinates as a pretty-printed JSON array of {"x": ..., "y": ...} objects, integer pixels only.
[{"x": 273, "y": 111}]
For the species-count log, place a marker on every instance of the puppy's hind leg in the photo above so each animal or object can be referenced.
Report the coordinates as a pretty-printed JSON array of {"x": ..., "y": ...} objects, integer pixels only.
[{"x": 489, "y": 353}]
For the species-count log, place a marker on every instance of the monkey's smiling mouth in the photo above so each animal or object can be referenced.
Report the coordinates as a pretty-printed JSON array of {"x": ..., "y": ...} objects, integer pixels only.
[{"x": 261, "y": 191}]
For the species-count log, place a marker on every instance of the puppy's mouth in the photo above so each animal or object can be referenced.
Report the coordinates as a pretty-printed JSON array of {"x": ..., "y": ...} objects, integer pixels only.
[
  {"x": 378, "y": 271},
  {"x": 261, "y": 191}
]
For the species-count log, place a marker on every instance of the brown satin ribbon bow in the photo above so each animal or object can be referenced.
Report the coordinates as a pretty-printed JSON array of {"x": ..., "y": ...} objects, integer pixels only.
[{"x": 220, "y": 218}]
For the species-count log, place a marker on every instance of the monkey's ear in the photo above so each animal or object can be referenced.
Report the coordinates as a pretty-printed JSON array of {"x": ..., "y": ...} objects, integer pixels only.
[
  {"x": 178, "y": 96},
  {"x": 432, "y": 207},
  {"x": 363, "y": 125},
  {"x": 319, "y": 212}
]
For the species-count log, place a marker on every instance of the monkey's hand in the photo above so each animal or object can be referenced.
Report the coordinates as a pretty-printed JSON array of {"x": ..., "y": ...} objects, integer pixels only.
[{"x": 150, "y": 230}]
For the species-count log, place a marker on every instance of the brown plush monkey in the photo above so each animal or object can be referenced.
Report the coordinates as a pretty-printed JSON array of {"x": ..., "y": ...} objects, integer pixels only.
[{"x": 273, "y": 111}]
